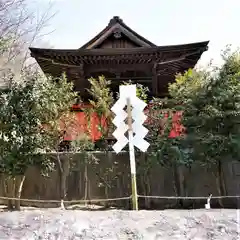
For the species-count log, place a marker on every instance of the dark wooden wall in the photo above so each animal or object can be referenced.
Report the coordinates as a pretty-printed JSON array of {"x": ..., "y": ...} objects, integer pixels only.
[{"x": 113, "y": 42}]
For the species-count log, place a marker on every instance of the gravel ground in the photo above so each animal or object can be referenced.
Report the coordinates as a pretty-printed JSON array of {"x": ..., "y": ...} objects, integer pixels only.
[{"x": 115, "y": 224}]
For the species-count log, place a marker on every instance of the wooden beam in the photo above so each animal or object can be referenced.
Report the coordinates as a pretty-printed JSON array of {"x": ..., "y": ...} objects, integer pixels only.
[
  {"x": 118, "y": 68},
  {"x": 134, "y": 79}
]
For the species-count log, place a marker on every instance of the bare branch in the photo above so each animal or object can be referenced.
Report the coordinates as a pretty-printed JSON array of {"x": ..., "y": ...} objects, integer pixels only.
[{"x": 20, "y": 27}]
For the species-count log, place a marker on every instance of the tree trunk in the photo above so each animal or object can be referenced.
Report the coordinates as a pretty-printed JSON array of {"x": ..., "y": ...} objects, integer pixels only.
[
  {"x": 85, "y": 180},
  {"x": 106, "y": 204},
  {"x": 220, "y": 183},
  {"x": 181, "y": 184},
  {"x": 13, "y": 189},
  {"x": 146, "y": 181},
  {"x": 63, "y": 167},
  {"x": 63, "y": 179},
  {"x": 18, "y": 190},
  {"x": 146, "y": 188},
  {"x": 9, "y": 188},
  {"x": 175, "y": 184}
]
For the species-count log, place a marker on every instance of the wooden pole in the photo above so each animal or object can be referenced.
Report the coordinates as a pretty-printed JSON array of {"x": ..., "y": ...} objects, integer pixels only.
[{"x": 132, "y": 157}]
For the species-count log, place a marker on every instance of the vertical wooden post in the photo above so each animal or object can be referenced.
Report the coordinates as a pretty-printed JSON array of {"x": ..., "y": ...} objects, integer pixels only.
[
  {"x": 155, "y": 79},
  {"x": 132, "y": 157}
]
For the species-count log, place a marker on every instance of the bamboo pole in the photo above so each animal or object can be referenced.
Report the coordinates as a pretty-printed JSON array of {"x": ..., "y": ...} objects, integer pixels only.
[{"x": 132, "y": 157}]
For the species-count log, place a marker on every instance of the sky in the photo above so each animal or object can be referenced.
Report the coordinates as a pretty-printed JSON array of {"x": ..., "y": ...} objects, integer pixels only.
[{"x": 163, "y": 22}]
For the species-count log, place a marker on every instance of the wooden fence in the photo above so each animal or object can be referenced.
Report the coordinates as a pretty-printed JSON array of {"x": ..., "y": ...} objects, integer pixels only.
[{"x": 108, "y": 176}]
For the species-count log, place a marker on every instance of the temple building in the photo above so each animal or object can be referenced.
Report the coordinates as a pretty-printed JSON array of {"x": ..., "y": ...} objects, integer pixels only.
[{"x": 120, "y": 54}]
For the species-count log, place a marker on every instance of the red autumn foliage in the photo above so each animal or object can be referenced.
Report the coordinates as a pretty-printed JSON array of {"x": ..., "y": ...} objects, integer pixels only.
[{"x": 177, "y": 128}]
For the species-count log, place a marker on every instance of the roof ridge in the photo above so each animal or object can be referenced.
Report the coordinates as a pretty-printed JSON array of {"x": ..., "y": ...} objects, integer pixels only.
[{"x": 114, "y": 20}]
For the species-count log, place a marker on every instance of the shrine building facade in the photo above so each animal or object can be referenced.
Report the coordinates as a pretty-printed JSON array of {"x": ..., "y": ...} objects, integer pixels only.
[{"x": 120, "y": 54}]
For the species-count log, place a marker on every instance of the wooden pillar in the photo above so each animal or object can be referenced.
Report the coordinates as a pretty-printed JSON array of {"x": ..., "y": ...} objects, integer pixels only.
[
  {"x": 117, "y": 74},
  {"x": 154, "y": 80},
  {"x": 81, "y": 72},
  {"x": 77, "y": 75}
]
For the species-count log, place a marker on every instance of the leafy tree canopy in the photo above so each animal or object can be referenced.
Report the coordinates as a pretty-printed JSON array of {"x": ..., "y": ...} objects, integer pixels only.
[
  {"x": 211, "y": 104},
  {"x": 26, "y": 111}
]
